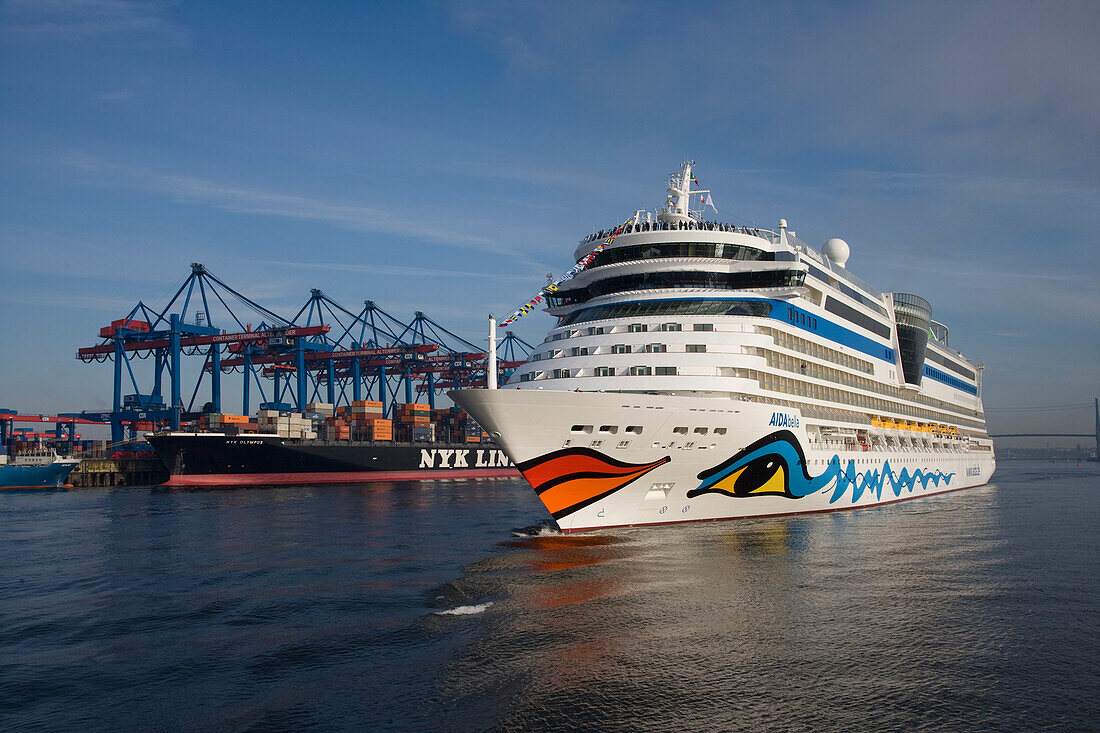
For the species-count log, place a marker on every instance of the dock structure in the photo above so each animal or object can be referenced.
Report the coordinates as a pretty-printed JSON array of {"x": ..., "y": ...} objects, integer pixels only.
[
  {"x": 324, "y": 353},
  {"x": 109, "y": 473}
]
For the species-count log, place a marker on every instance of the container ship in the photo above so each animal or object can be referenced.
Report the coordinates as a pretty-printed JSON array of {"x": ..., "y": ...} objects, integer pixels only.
[
  {"x": 701, "y": 370},
  {"x": 348, "y": 444}
]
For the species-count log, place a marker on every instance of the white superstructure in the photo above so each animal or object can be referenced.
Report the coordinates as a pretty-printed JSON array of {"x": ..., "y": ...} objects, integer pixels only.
[{"x": 701, "y": 370}]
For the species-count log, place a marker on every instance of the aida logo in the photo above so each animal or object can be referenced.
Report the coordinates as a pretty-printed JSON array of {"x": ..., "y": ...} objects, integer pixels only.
[{"x": 783, "y": 420}]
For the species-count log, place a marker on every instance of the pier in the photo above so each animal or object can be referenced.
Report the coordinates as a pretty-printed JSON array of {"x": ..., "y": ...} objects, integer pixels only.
[{"x": 93, "y": 473}]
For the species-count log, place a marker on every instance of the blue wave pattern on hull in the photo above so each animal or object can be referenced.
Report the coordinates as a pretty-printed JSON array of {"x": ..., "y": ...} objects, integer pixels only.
[
  {"x": 775, "y": 465},
  {"x": 874, "y": 482}
]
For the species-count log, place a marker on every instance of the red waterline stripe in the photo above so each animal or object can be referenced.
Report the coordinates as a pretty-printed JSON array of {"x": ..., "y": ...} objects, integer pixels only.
[
  {"x": 337, "y": 477},
  {"x": 777, "y": 514}
]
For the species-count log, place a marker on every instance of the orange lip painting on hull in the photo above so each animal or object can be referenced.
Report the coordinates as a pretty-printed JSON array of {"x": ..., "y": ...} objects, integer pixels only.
[{"x": 571, "y": 479}]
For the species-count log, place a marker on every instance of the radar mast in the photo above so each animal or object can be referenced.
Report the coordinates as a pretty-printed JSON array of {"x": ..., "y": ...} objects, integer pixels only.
[{"x": 677, "y": 207}]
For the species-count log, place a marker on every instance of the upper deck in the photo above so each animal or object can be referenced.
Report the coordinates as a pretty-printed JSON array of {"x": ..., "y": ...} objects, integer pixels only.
[{"x": 748, "y": 296}]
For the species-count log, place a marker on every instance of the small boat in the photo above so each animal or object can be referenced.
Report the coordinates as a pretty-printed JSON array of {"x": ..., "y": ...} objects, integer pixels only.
[{"x": 38, "y": 469}]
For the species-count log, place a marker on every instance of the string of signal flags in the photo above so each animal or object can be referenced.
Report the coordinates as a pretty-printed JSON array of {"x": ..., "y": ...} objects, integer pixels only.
[{"x": 569, "y": 274}]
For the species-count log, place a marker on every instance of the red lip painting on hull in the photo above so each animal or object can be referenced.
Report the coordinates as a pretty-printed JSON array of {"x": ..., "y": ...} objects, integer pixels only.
[
  {"x": 342, "y": 477},
  {"x": 571, "y": 479}
]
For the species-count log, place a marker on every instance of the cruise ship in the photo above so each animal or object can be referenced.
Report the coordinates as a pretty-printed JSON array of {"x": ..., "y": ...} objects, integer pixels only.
[{"x": 701, "y": 370}]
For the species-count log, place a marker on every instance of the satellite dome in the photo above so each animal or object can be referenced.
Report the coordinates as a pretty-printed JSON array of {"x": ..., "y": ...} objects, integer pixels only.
[{"x": 836, "y": 249}]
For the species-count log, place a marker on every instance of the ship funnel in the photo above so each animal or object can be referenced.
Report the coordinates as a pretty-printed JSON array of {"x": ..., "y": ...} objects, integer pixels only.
[{"x": 914, "y": 319}]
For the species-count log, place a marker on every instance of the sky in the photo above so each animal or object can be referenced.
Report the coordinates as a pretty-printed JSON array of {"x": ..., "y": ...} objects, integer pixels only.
[{"x": 445, "y": 157}]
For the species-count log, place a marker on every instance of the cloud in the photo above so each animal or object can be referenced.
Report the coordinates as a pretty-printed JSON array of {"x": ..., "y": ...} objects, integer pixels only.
[
  {"x": 67, "y": 301},
  {"x": 258, "y": 202},
  {"x": 1008, "y": 81},
  {"x": 996, "y": 188},
  {"x": 120, "y": 95},
  {"x": 401, "y": 270},
  {"x": 146, "y": 21},
  {"x": 989, "y": 87}
]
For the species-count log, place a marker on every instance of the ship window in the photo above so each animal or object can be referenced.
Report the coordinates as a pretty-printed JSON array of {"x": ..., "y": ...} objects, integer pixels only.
[
  {"x": 757, "y": 308},
  {"x": 703, "y": 327},
  {"x": 851, "y": 314},
  {"x": 679, "y": 249},
  {"x": 595, "y": 331},
  {"x": 620, "y": 349},
  {"x": 623, "y": 444},
  {"x": 637, "y": 328},
  {"x": 680, "y": 431},
  {"x": 581, "y": 429},
  {"x": 561, "y": 374},
  {"x": 640, "y": 371},
  {"x": 696, "y": 348},
  {"x": 719, "y": 431},
  {"x": 605, "y": 371},
  {"x": 752, "y": 280},
  {"x": 701, "y": 431},
  {"x": 656, "y": 348},
  {"x": 609, "y": 429},
  {"x": 636, "y": 429},
  {"x": 665, "y": 371},
  {"x": 596, "y": 443},
  {"x": 670, "y": 326}
]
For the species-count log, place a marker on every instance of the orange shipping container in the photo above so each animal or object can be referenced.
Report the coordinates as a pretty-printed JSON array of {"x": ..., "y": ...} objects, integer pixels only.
[{"x": 234, "y": 419}]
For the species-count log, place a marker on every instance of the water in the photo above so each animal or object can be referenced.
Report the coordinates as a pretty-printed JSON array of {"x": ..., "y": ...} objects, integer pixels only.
[{"x": 417, "y": 606}]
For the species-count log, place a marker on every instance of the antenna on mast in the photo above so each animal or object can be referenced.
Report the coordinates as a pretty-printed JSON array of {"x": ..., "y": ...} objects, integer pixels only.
[{"x": 677, "y": 207}]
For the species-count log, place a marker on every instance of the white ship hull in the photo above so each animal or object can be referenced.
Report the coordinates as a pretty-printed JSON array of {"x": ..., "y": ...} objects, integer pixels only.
[{"x": 600, "y": 460}]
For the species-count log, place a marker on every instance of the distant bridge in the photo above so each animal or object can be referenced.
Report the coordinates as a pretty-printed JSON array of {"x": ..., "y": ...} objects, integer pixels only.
[{"x": 1096, "y": 435}]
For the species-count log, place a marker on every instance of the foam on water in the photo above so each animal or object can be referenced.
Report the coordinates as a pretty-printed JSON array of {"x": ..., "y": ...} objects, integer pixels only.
[
  {"x": 547, "y": 529},
  {"x": 466, "y": 610}
]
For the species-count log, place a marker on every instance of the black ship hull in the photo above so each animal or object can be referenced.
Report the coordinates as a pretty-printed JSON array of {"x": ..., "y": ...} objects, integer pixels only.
[{"x": 211, "y": 459}]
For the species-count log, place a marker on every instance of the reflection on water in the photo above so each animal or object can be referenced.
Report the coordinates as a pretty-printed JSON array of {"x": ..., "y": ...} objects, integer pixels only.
[{"x": 413, "y": 606}]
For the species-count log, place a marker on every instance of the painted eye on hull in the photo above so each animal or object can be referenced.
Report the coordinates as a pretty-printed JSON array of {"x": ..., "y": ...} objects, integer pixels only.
[
  {"x": 756, "y": 474},
  {"x": 767, "y": 466}
]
